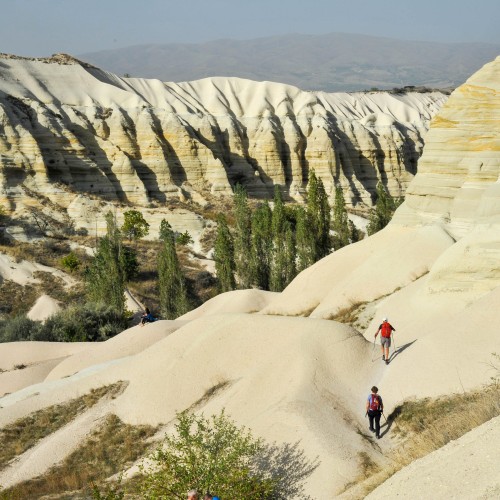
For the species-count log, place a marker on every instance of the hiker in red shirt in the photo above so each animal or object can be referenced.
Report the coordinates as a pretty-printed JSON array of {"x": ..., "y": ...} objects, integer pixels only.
[{"x": 385, "y": 330}]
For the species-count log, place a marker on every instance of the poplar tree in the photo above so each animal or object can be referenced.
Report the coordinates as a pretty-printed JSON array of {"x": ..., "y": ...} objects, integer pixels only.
[
  {"x": 262, "y": 246},
  {"x": 224, "y": 256},
  {"x": 305, "y": 242},
  {"x": 385, "y": 207},
  {"x": 340, "y": 221},
  {"x": 105, "y": 277},
  {"x": 319, "y": 210},
  {"x": 283, "y": 260},
  {"x": 242, "y": 238},
  {"x": 171, "y": 282}
]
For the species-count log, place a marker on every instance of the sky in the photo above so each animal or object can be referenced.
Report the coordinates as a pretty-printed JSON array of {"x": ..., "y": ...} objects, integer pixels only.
[{"x": 42, "y": 27}]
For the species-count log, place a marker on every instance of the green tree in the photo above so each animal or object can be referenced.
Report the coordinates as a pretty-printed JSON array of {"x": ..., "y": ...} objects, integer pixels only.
[
  {"x": 385, "y": 207},
  {"x": 305, "y": 241},
  {"x": 184, "y": 239},
  {"x": 283, "y": 261},
  {"x": 129, "y": 263},
  {"x": 242, "y": 238},
  {"x": 224, "y": 256},
  {"x": 134, "y": 226},
  {"x": 262, "y": 246},
  {"x": 71, "y": 262},
  {"x": 340, "y": 221},
  {"x": 171, "y": 282},
  {"x": 319, "y": 210},
  {"x": 210, "y": 455},
  {"x": 214, "y": 455},
  {"x": 105, "y": 277}
]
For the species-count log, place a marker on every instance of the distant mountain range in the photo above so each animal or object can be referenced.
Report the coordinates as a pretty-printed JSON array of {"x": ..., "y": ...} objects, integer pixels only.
[{"x": 332, "y": 62}]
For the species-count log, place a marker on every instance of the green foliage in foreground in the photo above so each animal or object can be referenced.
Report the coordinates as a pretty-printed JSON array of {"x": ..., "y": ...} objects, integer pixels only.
[
  {"x": 86, "y": 323},
  {"x": 214, "y": 455}
]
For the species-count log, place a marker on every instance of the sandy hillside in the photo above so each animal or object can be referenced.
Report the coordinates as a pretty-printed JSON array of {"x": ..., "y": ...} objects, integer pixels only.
[
  {"x": 433, "y": 271},
  {"x": 465, "y": 468}
]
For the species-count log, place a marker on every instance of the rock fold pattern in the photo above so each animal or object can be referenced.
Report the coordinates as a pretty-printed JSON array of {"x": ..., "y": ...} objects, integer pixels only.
[{"x": 67, "y": 128}]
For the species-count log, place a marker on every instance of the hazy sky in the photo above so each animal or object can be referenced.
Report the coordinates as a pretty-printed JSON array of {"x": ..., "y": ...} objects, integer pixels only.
[{"x": 43, "y": 27}]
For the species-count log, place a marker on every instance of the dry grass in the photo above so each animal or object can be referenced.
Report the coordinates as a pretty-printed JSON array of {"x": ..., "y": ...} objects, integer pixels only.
[
  {"x": 367, "y": 465},
  {"x": 24, "y": 433},
  {"x": 48, "y": 252},
  {"x": 430, "y": 424},
  {"x": 107, "y": 451},
  {"x": 424, "y": 426},
  {"x": 18, "y": 299},
  {"x": 350, "y": 314},
  {"x": 210, "y": 393}
]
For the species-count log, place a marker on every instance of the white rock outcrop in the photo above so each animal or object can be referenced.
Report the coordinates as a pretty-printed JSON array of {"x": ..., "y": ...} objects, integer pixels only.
[
  {"x": 67, "y": 129},
  {"x": 434, "y": 271}
]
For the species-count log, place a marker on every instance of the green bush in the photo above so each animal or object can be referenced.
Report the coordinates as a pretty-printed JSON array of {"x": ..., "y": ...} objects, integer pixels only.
[
  {"x": 71, "y": 262},
  {"x": 88, "y": 323},
  {"x": 214, "y": 455},
  {"x": 92, "y": 322},
  {"x": 19, "y": 328},
  {"x": 184, "y": 239}
]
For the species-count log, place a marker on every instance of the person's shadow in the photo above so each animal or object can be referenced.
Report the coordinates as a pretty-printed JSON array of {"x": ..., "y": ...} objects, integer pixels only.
[
  {"x": 386, "y": 426},
  {"x": 399, "y": 350}
]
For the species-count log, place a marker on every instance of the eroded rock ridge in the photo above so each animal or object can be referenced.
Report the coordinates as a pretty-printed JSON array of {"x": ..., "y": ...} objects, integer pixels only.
[{"x": 68, "y": 128}]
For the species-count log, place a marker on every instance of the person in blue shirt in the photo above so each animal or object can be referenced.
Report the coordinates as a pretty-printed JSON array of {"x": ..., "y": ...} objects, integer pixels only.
[{"x": 147, "y": 317}]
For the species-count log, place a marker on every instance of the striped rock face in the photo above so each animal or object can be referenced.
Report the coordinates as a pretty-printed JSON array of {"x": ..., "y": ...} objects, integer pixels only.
[
  {"x": 69, "y": 129},
  {"x": 457, "y": 181},
  {"x": 458, "y": 187}
]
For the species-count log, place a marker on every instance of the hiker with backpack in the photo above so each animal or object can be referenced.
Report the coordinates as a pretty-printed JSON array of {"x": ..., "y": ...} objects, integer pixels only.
[
  {"x": 385, "y": 330},
  {"x": 374, "y": 409}
]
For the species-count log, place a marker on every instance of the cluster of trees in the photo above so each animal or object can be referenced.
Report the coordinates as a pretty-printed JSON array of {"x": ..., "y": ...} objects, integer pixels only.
[
  {"x": 114, "y": 264},
  {"x": 268, "y": 246}
]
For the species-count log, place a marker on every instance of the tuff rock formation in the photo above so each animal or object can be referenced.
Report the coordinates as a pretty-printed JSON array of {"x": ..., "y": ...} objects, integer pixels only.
[
  {"x": 69, "y": 129},
  {"x": 433, "y": 271}
]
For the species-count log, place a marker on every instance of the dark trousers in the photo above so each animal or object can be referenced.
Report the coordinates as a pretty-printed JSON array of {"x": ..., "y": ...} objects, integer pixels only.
[{"x": 375, "y": 415}]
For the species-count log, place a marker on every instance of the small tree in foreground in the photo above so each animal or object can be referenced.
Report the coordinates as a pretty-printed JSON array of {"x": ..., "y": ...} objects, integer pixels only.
[{"x": 214, "y": 455}]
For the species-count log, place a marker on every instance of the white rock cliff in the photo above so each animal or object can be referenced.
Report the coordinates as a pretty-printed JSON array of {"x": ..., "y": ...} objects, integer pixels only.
[{"x": 67, "y": 128}]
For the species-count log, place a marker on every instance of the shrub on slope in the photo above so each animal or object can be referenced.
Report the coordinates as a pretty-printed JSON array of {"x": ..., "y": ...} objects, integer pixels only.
[{"x": 90, "y": 322}]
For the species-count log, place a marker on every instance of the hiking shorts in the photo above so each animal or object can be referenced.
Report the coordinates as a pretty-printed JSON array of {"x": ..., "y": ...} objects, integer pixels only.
[{"x": 385, "y": 341}]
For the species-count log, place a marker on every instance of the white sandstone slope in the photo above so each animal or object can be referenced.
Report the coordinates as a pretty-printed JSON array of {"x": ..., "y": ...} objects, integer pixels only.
[
  {"x": 67, "y": 128},
  {"x": 465, "y": 468},
  {"x": 433, "y": 271}
]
